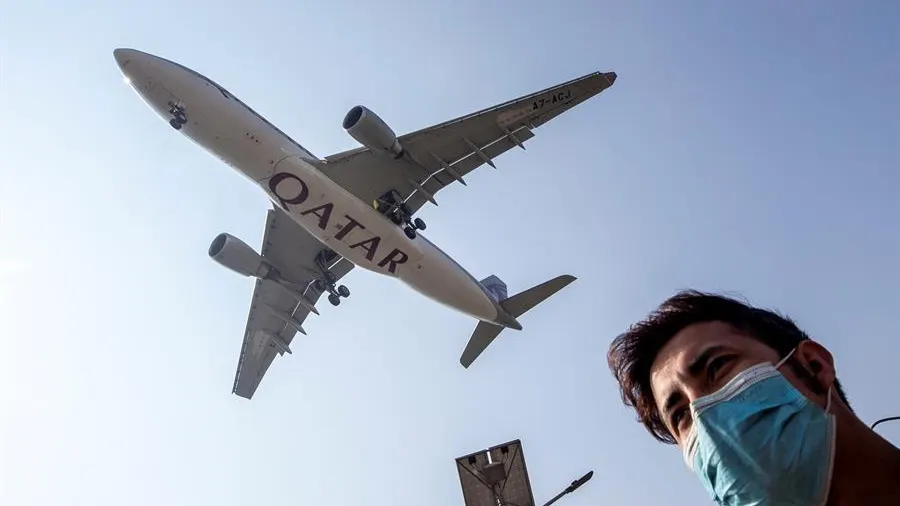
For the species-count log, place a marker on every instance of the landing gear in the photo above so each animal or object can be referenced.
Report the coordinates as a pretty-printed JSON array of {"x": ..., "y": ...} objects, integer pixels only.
[
  {"x": 328, "y": 280},
  {"x": 399, "y": 212},
  {"x": 179, "y": 116},
  {"x": 412, "y": 225}
]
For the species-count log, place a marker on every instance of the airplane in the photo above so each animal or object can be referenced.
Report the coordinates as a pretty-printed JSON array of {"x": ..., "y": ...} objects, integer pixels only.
[{"x": 354, "y": 208}]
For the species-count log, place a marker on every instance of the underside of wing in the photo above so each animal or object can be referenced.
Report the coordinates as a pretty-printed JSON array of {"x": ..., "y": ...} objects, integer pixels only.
[
  {"x": 282, "y": 301},
  {"x": 417, "y": 165}
]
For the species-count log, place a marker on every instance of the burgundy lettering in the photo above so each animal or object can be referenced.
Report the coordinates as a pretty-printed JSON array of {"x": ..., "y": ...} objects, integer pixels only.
[
  {"x": 348, "y": 228},
  {"x": 370, "y": 249},
  {"x": 325, "y": 213},
  {"x": 401, "y": 258},
  {"x": 299, "y": 198}
]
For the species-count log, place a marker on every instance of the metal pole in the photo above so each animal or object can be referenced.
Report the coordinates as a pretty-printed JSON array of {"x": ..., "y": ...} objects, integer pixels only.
[
  {"x": 551, "y": 501},
  {"x": 888, "y": 419},
  {"x": 571, "y": 488}
]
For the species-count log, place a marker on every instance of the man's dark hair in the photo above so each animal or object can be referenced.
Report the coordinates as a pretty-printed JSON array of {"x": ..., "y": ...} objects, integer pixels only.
[{"x": 632, "y": 353}]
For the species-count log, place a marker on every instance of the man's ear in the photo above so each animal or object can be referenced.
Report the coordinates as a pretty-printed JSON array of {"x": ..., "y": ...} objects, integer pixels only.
[{"x": 818, "y": 362}]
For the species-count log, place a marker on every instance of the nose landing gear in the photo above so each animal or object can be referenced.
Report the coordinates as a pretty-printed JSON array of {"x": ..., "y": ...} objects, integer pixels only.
[
  {"x": 179, "y": 116},
  {"x": 400, "y": 213},
  {"x": 328, "y": 280}
]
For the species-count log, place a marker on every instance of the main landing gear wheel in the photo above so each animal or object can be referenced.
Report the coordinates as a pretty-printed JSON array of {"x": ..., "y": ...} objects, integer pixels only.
[
  {"x": 412, "y": 226},
  {"x": 334, "y": 293},
  {"x": 328, "y": 280},
  {"x": 391, "y": 205}
]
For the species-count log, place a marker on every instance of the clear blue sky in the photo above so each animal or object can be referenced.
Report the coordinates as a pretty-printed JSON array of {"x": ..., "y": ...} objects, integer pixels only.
[{"x": 746, "y": 148}]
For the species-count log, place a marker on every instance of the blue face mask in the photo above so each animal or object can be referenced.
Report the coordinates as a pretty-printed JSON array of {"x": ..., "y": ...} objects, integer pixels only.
[{"x": 759, "y": 441}]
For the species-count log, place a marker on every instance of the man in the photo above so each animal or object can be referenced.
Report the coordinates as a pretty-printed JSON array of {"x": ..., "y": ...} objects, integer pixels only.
[{"x": 754, "y": 405}]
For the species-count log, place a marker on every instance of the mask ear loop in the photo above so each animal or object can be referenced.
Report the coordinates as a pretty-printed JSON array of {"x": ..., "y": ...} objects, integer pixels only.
[
  {"x": 830, "y": 389},
  {"x": 690, "y": 447},
  {"x": 785, "y": 359},
  {"x": 827, "y": 412},
  {"x": 832, "y": 443}
]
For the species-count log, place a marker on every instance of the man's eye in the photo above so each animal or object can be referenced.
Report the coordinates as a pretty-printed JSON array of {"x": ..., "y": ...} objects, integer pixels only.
[
  {"x": 677, "y": 417},
  {"x": 715, "y": 365}
]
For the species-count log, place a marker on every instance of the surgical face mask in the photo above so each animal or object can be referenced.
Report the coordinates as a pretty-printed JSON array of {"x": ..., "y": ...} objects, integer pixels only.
[{"x": 759, "y": 441}]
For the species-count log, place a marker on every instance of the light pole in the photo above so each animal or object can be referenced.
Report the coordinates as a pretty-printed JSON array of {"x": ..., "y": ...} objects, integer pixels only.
[
  {"x": 888, "y": 419},
  {"x": 571, "y": 488}
]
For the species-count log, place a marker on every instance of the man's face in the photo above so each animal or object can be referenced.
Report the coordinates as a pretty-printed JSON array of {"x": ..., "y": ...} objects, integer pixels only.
[{"x": 699, "y": 360}]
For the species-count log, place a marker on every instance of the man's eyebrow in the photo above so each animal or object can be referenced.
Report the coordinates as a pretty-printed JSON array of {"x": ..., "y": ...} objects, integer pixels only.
[
  {"x": 699, "y": 364},
  {"x": 673, "y": 399}
]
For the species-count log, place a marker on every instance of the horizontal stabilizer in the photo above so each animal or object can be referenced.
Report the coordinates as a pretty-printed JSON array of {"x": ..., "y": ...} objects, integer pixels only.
[
  {"x": 514, "y": 307},
  {"x": 520, "y": 303},
  {"x": 484, "y": 335}
]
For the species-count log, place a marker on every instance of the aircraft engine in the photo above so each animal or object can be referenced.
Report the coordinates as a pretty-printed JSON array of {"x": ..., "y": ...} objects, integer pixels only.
[
  {"x": 236, "y": 255},
  {"x": 371, "y": 131}
]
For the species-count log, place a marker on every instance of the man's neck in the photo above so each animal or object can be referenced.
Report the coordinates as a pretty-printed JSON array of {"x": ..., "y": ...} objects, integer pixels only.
[{"x": 866, "y": 468}]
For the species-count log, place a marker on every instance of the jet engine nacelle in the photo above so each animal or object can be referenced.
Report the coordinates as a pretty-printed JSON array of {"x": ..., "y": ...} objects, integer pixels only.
[
  {"x": 236, "y": 255},
  {"x": 371, "y": 131}
]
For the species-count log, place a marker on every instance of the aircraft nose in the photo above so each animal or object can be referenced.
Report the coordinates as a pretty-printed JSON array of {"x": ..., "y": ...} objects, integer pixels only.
[{"x": 123, "y": 56}]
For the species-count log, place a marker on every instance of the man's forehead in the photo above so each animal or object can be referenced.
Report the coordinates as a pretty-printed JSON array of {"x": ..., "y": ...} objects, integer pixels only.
[{"x": 674, "y": 358}]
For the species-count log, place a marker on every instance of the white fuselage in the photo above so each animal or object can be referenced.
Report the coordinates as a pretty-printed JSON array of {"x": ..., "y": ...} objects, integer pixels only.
[{"x": 234, "y": 133}]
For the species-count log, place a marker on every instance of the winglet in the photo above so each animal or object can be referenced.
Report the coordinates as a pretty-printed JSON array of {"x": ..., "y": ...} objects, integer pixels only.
[{"x": 610, "y": 77}]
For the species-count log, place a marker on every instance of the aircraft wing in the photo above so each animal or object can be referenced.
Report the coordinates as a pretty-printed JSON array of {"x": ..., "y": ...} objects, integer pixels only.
[
  {"x": 275, "y": 313},
  {"x": 442, "y": 154}
]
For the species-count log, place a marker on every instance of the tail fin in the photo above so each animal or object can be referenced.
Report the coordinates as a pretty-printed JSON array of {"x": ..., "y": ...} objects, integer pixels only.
[
  {"x": 515, "y": 306},
  {"x": 495, "y": 286}
]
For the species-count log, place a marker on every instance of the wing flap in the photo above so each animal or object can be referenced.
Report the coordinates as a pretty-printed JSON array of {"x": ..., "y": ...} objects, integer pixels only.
[
  {"x": 275, "y": 315},
  {"x": 468, "y": 163},
  {"x": 442, "y": 154}
]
